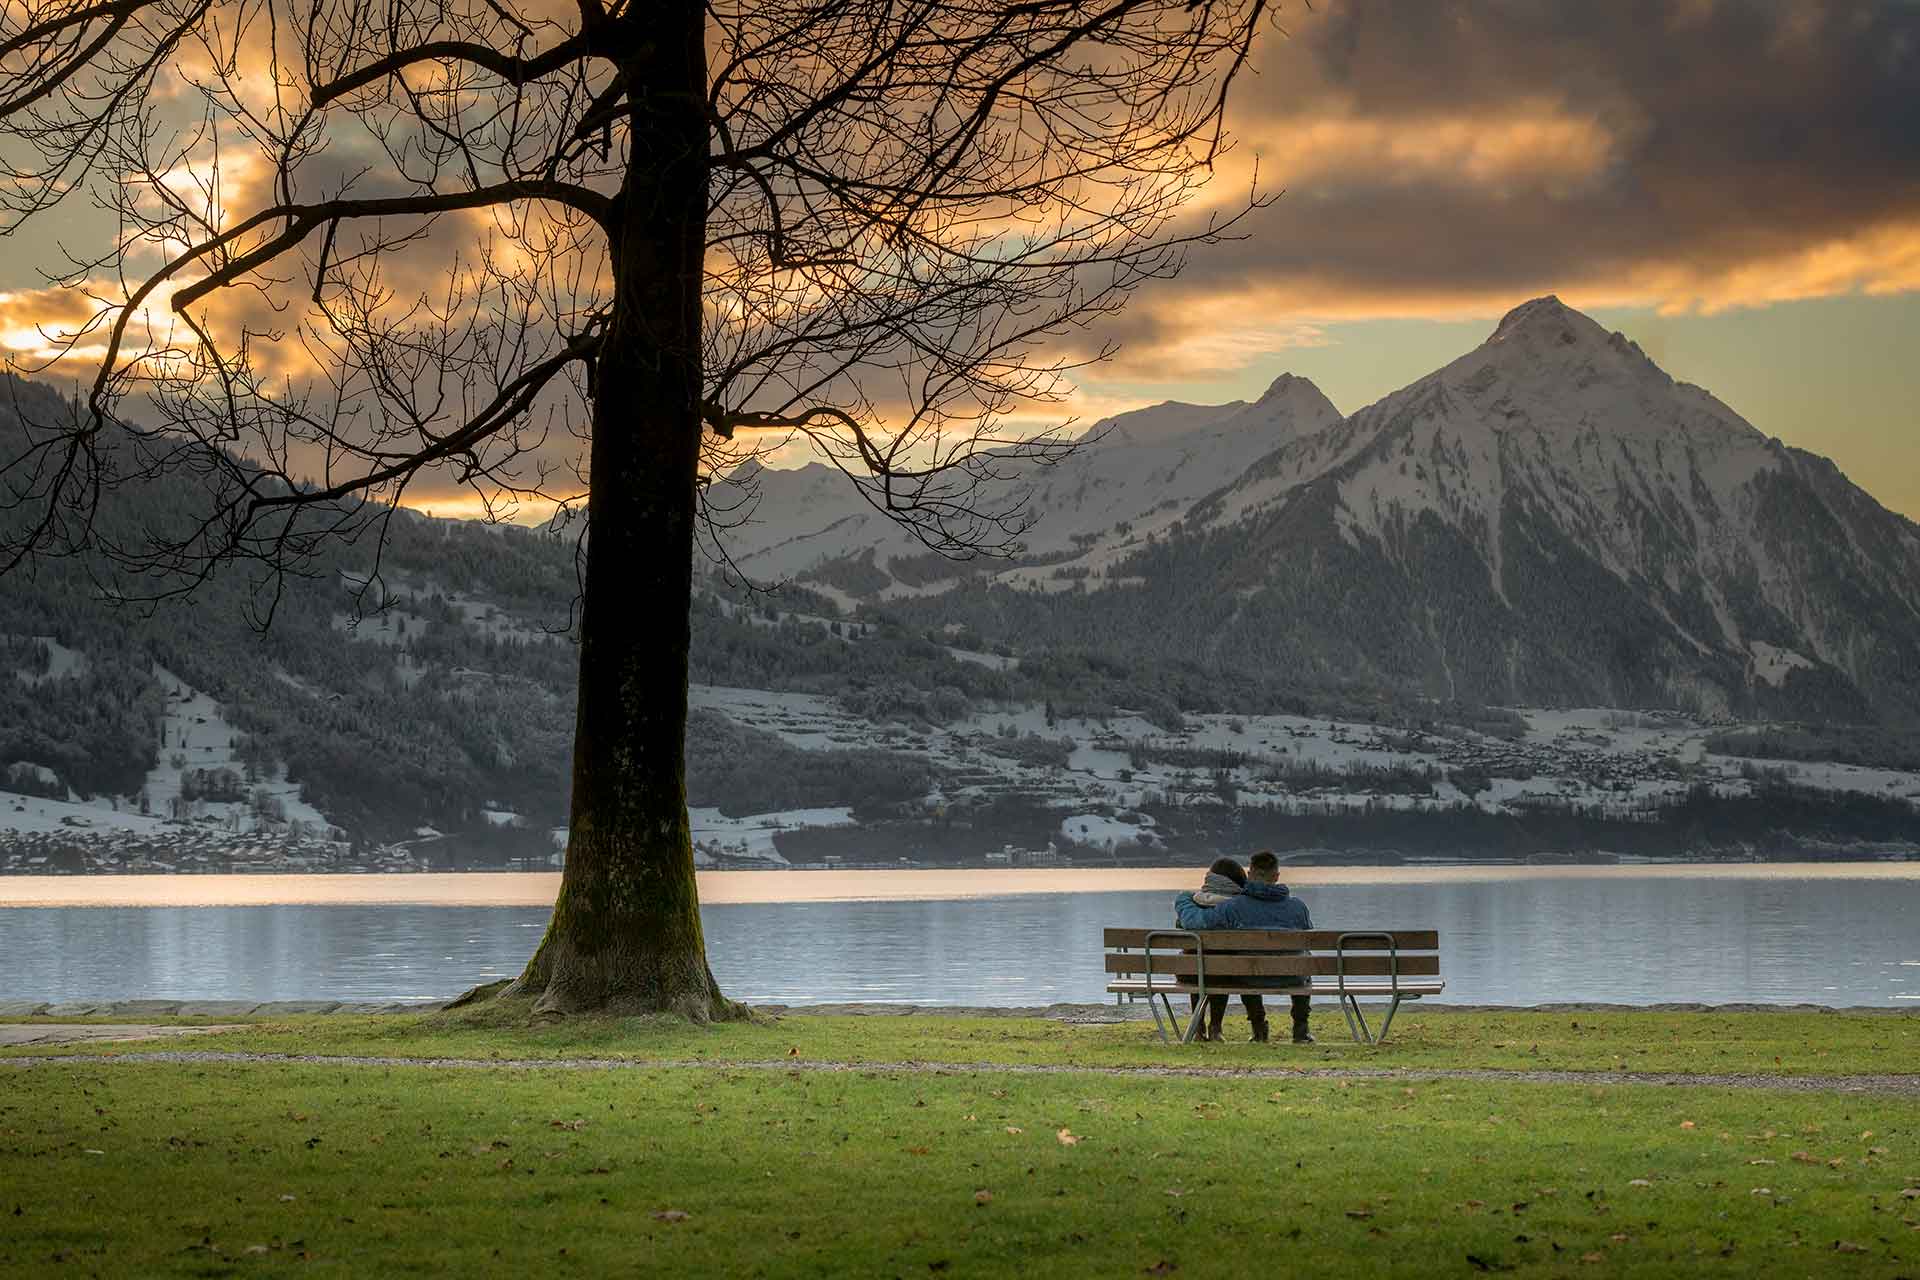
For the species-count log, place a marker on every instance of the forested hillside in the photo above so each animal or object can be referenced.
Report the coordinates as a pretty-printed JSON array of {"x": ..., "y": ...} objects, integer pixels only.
[{"x": 1549, "y": 522}]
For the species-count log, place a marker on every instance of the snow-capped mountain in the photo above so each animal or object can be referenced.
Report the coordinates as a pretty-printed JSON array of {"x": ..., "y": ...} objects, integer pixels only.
[
  {"x": 1551, "y": 518},
  {"x": 1134, "y": 475}
]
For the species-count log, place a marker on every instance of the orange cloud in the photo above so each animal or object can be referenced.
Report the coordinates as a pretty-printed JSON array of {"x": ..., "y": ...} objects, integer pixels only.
[{"x": 1527, "y": 144}]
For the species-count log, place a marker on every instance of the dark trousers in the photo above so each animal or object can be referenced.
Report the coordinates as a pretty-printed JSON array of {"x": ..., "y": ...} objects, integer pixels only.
[{"x": 1256, "y": 1010}]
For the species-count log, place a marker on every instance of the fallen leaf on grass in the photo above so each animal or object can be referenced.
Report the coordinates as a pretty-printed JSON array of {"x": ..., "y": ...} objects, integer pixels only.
[
  {"x": 1359, "y": 1213},
  {"x": 919, "y": 1151},
  {"x": 983, "y": 1197},
  {"x": 1804, "y": 1157},
  {"x": 1595, "y": 1256},
  {"x": 571, "y": 1125},
  {"x": 1014, "y": 1128},
  {"x": 671, "y": 1215},
  {"x": 1848, "y": 1246},
  {"x": 1067, "y": 1138},
  {"x": 1763, "y": 1161},
  {"x": 794, "y": 1052},
  {"x": 1836, "y": 1162},
  {"x": 1640, "y": 1182},
  {"x": 1761, "y": 1191},
  {"x": 1686, "y": 1124},
  {"x": 1911, "y": 1193},
  {"x": 1160, "y": 1268}
]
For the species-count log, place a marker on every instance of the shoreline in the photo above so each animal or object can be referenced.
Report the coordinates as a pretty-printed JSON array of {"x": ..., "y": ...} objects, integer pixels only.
[
  {"x": 52, "y": 1012},
  {"x": 746, "y": 888}
]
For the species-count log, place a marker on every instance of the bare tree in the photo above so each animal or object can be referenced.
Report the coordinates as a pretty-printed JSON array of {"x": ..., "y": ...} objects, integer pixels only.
[{"x": 358, "y": 246}]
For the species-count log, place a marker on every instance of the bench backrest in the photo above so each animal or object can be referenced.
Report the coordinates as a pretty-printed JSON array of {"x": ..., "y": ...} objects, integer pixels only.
[{"x": 1274, "y": 953}]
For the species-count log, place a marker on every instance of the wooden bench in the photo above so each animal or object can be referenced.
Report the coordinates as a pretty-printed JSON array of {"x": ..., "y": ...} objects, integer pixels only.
[{"x": 1349, "y": 965}]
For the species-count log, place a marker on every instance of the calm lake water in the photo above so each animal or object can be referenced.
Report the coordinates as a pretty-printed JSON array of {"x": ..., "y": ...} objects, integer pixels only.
[{"x": 1620, "y": 938}]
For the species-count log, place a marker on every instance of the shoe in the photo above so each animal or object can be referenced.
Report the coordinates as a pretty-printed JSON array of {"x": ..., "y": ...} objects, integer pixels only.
[
  {"x": 1303, "y": 1036},
  {"x": 1260, "y": 1033}
]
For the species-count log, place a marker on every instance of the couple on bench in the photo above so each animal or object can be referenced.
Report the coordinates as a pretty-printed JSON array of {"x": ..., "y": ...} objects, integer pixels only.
[{"x": 1254, "y": 898}]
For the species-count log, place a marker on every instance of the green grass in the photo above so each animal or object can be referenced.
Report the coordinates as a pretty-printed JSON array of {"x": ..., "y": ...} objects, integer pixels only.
[
  {"x": 1757, "y": 1043},
  {"x": 217, "y": 1169}
]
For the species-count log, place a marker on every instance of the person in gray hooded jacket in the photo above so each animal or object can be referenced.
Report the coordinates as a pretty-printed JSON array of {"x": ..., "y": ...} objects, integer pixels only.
[
  {"x": 1226, "y": 879},
  {"x": 1263, "y": 904}
]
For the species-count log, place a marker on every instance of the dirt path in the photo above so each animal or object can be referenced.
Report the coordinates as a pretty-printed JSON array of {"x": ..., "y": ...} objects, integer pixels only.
[
  {"x": 1907, "y": 1086},
  {"x": 28, "y": 1033}
]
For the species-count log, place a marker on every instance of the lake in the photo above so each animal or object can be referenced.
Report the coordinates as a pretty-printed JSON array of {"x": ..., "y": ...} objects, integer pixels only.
[{"x": 1834, "y": 935}]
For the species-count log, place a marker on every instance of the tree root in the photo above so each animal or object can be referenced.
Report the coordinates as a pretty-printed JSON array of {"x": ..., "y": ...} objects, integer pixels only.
[{"x": 546, "y": 994}]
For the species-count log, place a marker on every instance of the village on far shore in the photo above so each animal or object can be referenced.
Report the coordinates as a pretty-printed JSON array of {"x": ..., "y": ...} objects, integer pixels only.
[{"x": 1118, "y": 791}]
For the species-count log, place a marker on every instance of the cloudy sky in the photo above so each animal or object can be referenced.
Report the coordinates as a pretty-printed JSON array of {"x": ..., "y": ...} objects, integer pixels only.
[{"x": 1733, "y": 183}]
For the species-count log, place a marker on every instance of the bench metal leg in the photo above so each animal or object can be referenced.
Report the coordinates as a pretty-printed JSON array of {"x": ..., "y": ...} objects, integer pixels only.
[
  {"x": 1196, "y": 1021},
  {"x": 1388, "y": 1020},
  {"x": 1173, "y": 1019},
  {"x": 1154, "y": 1009},
  {"x": 1357, "y": 1021}
]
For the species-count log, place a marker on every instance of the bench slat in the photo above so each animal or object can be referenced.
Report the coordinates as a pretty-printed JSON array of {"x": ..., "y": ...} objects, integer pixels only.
[
  {"x": 1320, "y": 987},
  {"x": 1285, "y": 939},
  {"x": 1269, "y": 965}
]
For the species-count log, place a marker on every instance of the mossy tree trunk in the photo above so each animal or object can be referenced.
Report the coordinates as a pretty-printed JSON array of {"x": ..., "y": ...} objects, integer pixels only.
[{"x": 626, "y": 933}]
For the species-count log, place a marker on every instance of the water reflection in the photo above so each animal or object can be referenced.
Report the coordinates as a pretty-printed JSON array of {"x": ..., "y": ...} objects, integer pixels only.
[{"x": 1764, "y": 940}]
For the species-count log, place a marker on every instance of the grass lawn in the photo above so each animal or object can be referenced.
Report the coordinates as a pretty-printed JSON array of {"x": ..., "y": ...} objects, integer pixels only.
[
  {"x": 1749, "y": 1043},
  {"x": 140, "y": 1168},
  {"x": 223, "y": 1168}
]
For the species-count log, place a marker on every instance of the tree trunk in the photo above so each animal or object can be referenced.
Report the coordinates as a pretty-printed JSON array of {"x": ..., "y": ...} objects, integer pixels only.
[{"x": 626, "y": 933}]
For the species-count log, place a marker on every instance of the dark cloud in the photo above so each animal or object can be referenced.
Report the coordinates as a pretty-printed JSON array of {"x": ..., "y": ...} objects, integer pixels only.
[{"x": 1680, "y": 153}]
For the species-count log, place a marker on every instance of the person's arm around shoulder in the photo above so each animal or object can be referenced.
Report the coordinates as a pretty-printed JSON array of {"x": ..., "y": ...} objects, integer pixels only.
[{"x": 1194, "y": 916}]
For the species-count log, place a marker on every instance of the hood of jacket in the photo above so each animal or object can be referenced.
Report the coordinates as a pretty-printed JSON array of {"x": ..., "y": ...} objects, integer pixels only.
[
  {"x": 1265, "y": 892},
  {"x": 1216, "y": 890}
]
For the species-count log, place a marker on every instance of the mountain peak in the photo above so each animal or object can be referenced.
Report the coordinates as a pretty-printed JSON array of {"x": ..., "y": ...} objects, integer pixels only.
[
  {"x": 1305, "y": 405},
  {"x": 1287, "y": 384},
  {"x": 1549, "y": 321},
  {"x": 1546, "y": 338}
]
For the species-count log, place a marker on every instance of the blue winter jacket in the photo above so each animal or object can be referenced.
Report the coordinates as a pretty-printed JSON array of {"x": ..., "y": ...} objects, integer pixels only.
[{"x": 1258, "y": 906}]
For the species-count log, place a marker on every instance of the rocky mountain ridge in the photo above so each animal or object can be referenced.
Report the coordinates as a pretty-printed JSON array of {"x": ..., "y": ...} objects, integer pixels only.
[{"x": 1549, "y": 519}]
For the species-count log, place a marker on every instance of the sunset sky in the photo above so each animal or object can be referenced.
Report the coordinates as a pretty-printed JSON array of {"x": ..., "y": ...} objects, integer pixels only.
[{"x": 1734, "y": 185}]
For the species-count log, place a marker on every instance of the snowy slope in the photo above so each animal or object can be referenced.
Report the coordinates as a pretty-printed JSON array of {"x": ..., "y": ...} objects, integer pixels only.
[
  {"x": 1558, "y": 476},
  {"x": 1133, "y": 474}
]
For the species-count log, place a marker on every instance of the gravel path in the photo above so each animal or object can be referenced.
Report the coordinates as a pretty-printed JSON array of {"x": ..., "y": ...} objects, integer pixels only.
[{"x": 1889, "y": 1085}]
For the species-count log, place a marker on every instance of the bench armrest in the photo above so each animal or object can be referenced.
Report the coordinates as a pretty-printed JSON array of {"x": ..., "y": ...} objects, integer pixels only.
[
  {"x": 1199, "y": 951},
  {"x": 1393, "y": 955}
]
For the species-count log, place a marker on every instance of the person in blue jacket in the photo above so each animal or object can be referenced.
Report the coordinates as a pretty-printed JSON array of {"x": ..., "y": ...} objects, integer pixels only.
[{"x": 1263, "y": 904}]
